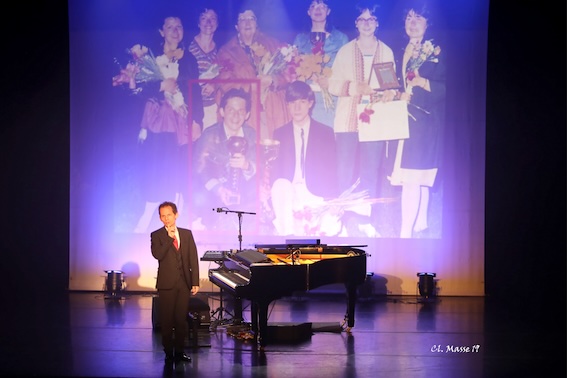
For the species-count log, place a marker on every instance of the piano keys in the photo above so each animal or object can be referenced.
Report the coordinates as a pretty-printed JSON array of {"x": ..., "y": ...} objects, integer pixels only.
[{"x": 275, "y": 271}]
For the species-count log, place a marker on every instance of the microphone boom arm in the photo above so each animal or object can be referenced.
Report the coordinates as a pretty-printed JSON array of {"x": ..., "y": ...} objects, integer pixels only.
[
  {"x": 225, "y": 210},
  {"x": 239, "y": 213}
]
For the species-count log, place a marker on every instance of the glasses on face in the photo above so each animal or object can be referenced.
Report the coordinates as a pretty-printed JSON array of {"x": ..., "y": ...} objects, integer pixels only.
[
  {"x": 245, "y": 19},
  {"x": 368, "y": 21}
]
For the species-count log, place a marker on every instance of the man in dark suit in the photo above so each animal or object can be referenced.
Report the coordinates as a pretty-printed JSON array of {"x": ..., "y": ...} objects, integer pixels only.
[
  {"x": 177, "y": 280},
  {"x": 304, "y": 173}
]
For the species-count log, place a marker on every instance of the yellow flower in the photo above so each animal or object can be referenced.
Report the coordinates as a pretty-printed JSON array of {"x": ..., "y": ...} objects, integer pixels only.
[
  {"x": 138, "y": 51},
  {"x": 312, "y": 64},
  {"x": 313, "y": 67},
  {"x": 259, "y": 50}
]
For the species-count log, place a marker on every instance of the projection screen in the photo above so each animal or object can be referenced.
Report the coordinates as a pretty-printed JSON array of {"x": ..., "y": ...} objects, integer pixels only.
[{"x": 114, "y": 196}]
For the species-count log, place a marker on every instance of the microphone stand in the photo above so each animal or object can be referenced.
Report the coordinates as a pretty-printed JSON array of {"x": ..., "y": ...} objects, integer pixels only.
[
  {"x": 237, "y": 317},
  {"x": 239, "y": 213}
]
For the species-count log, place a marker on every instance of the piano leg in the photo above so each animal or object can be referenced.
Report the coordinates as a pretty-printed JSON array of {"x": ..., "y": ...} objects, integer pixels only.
[
  {"x": 259, "y": 312},
  {"x": 263, "y": 323},
  {"x": 237, "y": 319},
  {"x": 254, "y": 315},
  {"x": 351, "y": 303}
]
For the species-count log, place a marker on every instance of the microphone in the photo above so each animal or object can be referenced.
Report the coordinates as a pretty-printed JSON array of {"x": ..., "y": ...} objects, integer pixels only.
[{"x": 218, "y": 210}]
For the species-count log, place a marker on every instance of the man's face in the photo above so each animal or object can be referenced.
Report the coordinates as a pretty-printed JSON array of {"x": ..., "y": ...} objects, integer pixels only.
[
  {"x": 167, "y": 216},
  {"x": 299, "y": 109},
  {"x": 234, "y": 113}
]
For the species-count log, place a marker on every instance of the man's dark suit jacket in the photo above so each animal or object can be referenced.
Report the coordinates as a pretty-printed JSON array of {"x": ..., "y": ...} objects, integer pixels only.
[
  {"x": 164, "y": 251},
  {"x": 320, "y": 159}
]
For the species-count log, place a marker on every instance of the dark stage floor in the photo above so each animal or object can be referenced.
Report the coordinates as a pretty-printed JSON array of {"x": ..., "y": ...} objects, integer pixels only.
[{"x": 87, "y": 335}]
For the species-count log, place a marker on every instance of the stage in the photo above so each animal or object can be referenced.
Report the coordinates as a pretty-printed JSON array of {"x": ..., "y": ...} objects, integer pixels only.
[{"x": 87, "y": 334}]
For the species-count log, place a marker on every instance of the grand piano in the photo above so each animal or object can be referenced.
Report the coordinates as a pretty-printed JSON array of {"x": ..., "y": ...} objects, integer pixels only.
[{"x": 273, "y": 271}]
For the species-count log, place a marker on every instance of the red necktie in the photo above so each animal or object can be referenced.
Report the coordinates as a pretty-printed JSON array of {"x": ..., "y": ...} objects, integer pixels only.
[{"x": 175, "y": 243}]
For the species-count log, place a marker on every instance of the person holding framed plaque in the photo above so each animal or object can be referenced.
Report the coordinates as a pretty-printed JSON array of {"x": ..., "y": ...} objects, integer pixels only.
[{"x": 356, "y": 84}]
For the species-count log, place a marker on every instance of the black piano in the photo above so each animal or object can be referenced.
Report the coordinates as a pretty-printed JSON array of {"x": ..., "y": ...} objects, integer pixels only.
[{"x": 274, "y": 271}]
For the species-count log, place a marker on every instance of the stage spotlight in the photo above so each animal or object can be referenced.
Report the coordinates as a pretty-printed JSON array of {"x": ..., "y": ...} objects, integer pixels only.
[
  {"x": 114, "y": 284},
  {"x": 426, "y": 284}
]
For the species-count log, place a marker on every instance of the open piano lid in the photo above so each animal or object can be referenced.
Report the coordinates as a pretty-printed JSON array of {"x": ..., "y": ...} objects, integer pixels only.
[{"x": 306, "y": 245}]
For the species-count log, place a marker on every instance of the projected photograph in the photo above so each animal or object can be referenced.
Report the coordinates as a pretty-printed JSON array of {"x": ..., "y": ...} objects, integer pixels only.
[
  {"x": 265, "y": 121},
  {"x": 229, "y": 132}
]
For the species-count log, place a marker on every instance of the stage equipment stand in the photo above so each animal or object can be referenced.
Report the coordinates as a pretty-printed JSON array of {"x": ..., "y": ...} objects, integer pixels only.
[
  {"x": 218, "y": 313},
  {"x": 239, "y": 213}
]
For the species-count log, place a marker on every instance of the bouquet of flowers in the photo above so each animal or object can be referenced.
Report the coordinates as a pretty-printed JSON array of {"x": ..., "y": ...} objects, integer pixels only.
[
  {"x": 313, "y": 67},
  {"x": 273, "y": 63},
  {"x": 425, "y": 52},
  {"x": 142, "y": 68}
]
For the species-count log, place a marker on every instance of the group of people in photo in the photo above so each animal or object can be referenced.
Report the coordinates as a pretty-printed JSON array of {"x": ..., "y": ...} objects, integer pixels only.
[{"x": 270, "y": 126}]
